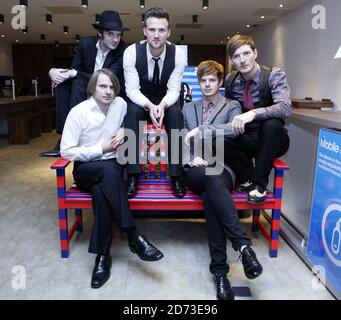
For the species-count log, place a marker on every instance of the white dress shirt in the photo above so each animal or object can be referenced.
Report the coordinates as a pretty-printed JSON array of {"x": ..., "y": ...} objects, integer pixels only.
[
  {"x": 132, "y": 81},
  {"x": 87, "y": 127},
  {"x": 100, "y": 57}
]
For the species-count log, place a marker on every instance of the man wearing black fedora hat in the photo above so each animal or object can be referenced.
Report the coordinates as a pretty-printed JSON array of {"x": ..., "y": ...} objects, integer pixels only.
[{"x": 102, "y": 51}]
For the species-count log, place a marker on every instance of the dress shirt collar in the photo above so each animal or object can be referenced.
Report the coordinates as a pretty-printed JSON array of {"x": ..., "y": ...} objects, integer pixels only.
[
  {"x": 94, "y": 106},
  {"x": 205, "y": 102},
  {"x": 99, "y": 48}
]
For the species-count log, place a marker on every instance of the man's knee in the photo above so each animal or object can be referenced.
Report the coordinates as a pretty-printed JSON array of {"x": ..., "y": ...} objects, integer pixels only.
[
  {"x": 135, "y": 111},
  {"x": 272, "y": 126},
  {"x": 173, "y": 112}
]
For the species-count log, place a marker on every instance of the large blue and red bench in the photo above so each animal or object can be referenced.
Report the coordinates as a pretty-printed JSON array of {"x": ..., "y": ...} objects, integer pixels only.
[{"x": 154, "y": 194}]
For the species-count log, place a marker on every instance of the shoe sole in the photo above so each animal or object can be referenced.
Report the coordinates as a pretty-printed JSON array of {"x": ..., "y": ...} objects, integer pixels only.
[
  {"x": 256, "y": 201},
  {"x": 49, "y": 156},
  {"x": 254, "y": 276}
]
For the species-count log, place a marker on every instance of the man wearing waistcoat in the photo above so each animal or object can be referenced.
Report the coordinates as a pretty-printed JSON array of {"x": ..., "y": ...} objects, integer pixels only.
[
  {"x": 102, "y": 51},
  {"x": 264, "y": 95},
  {"x": 153, "y": 71}
]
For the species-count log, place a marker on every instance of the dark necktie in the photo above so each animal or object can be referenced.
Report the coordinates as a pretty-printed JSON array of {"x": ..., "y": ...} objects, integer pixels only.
[
  {"x": 247, "y": 97},
  {"x": 156, "y": 72},
  {"x": 207, "y": 112}
]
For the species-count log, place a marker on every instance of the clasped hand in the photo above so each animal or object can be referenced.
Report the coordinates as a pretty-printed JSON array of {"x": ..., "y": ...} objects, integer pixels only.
[
  {"x": 58, "y": 76},
  {"x": 156, "y": 113}
]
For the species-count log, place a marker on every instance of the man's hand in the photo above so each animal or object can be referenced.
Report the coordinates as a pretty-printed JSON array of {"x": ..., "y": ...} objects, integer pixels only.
[
  {"x": 194, "y": 132},
  {"x": 160, "y": 114},
  {"x": 58, "y": 76},
  {"x": 108, "y": 146},
  {"x": 238, "y": 122},
  {"x": 118, "y": 138},
  {"x": 197, "y": 162},
  {"x": 154, "y": 114}
]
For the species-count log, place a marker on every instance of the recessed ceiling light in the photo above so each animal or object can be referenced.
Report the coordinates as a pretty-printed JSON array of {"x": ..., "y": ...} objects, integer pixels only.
[
  {"x": 262, "y": 17},
  {"x": 247, "y": 26},
  {"x": 23, "y": 3},
  {"x": 2, "y": 36},
  {"x": 281, "y": 5}
]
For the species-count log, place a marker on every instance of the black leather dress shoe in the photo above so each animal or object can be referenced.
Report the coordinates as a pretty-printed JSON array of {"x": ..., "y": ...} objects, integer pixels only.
[
  {"x": 252, "y": 267},
  {"x": 55, "y": 152},
  {"x": 101, "y": 272},
  {"x": 224, "y": 290},
  {"x": 145, "y": 250},
  {"x": 178, "y": 187},
  {"x": 131, "y": 189}
]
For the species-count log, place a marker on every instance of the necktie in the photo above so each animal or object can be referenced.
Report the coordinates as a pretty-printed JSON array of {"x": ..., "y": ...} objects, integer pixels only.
[
  {"x": 247, "y": 97},
  {"x": 207, "y": 112},
  {"x": 156, "y": 72}
]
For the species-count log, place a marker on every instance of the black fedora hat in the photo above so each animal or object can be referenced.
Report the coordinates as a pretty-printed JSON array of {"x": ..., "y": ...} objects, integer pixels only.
[{"x": 109, "y": 20}]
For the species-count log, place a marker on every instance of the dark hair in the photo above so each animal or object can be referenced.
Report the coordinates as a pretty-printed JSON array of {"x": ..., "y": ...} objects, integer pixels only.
[
  {"x": 237, "y": 41},
  {"x": 210, "y": 67},
  {"x": 156, "y": 12},
  {"x": 101, "y": 30},
  {"x": 93, "y": 81}
]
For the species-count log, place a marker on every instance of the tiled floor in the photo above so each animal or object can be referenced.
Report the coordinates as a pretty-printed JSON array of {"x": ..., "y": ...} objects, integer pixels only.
[{"x": 31, "y": 267}]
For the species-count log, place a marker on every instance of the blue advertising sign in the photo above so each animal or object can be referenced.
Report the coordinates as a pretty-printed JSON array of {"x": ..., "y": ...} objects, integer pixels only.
[{"x": 324, "y": 241}]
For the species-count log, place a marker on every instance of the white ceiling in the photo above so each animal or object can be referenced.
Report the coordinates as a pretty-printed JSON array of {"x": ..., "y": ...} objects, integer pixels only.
[{"x": 223, "y": 18}]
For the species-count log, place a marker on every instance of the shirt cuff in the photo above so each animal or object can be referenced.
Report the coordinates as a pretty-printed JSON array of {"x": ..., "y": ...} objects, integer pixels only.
[
  {"x": 96, "y": 151},
  {"x": 73, "y": 73}
]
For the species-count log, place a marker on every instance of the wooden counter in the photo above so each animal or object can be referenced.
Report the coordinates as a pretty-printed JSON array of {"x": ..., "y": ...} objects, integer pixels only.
[{"x": 22, "y": 103}]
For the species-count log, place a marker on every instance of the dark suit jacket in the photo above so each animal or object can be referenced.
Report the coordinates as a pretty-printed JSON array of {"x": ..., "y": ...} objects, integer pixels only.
[
  {"x": 73, "y": 91},
  {"x": 224, "y": 112},
  {"x": 84, "y": 61}
]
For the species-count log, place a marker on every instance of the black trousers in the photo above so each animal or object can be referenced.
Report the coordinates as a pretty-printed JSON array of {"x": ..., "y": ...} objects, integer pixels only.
[
  {"x": 104, "y": 180},
  {"x": 221, "y": 215},
  {"x": 265, "y": 143},
  {"x": 68, "y": 94},
  {"x": 173, "y": 119}
]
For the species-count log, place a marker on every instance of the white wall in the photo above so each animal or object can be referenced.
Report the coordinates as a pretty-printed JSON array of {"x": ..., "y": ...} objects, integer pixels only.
[
  {"x": 6, "y": 61},
  {"x": 306, "y": 54}
]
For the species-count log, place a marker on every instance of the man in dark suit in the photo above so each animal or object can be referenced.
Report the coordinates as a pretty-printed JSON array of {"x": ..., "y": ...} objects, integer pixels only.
[
  {"x": 212, "y": 116},
  {"x": 102, "y": 51}
]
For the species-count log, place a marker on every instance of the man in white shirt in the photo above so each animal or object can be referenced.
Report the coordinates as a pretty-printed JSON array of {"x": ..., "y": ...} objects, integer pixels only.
[
  {"x": 91, "y": 135},
  {"x": 102, "y": 51},
  {"x": 153, "y": 71}
]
